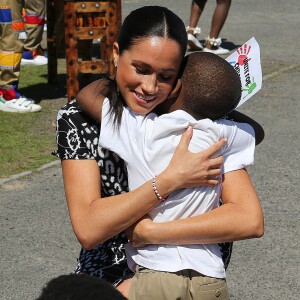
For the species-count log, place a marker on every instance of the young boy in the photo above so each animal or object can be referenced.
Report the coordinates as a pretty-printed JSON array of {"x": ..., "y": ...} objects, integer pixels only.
[{"x": 210, "y": 90}]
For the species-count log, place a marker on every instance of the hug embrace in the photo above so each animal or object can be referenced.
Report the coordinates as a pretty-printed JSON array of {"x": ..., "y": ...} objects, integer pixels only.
[{"x": 154, "y": 174}]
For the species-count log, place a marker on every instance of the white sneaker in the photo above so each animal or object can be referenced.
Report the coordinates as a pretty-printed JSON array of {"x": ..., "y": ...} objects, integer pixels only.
[
  {"x": 218, "y": 51},
  {"x": 194, "y": 43},
  {"x": 20, "y": 105},
  {"x": 39, "y": 60}
]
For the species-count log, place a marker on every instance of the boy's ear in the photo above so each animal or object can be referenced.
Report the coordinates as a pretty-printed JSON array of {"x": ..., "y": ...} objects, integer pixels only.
[
  {"x": 116, "y": 53},
  {"x": 176, "y": 90}
]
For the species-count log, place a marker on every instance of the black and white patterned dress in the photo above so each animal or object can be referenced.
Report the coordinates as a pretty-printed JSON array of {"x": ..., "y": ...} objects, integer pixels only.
[{"x": 77, "y": 138}]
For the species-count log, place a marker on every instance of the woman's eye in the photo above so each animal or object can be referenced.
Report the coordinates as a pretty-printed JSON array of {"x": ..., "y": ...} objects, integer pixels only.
[
  {"x": 140, "y": 71},
  {"x": 165, "y": 77}
]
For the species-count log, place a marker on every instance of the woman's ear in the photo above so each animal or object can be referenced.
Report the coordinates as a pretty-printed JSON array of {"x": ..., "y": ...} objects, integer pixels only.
[{"x": 116, "y": 53}]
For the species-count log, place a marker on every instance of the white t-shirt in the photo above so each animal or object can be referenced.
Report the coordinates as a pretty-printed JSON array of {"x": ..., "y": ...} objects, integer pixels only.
[{"x": 147, "y": 144}]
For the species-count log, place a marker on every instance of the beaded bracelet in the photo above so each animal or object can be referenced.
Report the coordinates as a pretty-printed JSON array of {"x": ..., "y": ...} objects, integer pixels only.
[{"x": 156, "y": 191}]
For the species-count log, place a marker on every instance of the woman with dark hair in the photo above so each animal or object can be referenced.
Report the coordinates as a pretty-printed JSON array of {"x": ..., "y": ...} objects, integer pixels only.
[
  {"x": 158, "y": 38},
  {"x": 150, "y": 48}
]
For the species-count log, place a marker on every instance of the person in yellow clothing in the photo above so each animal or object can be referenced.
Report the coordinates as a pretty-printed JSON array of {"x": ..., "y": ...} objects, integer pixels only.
[
  {"x": 34, "y": 19},
  {"x": 12, "y": 37}
]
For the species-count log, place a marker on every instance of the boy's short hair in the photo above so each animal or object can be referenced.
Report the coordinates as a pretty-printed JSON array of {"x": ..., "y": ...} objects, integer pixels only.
[
  {"x": 79, "y": 286},
  {"x": 211, "y": 86}
]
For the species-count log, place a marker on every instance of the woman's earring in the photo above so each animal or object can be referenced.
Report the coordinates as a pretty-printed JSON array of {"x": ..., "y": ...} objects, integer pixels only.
[{"x": 116, "y": 64}]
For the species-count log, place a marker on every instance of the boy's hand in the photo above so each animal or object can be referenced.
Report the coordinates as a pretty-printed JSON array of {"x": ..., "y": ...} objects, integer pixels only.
[
  {"x": 91, "y": 97},
  {"x": 136, "y": 232},
  {"x": 242, "y": 118}
]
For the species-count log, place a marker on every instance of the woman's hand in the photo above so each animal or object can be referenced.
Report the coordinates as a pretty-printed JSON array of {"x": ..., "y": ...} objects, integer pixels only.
[{"x": 188, "y": 169}]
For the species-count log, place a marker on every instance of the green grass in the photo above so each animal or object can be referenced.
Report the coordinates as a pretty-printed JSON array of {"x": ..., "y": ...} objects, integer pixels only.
[{"x": 26, "y": 140}]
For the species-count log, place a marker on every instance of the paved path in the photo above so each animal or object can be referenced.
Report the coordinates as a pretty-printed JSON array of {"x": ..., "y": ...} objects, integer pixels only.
[{"x": 37, "y": 242}]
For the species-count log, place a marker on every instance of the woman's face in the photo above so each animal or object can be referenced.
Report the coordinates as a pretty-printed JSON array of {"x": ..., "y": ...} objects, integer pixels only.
[{"x": 146, "y": 72}]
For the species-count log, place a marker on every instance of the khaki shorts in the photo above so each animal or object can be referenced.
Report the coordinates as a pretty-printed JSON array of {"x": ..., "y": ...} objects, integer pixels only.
[{"x": 182, "y": 285}]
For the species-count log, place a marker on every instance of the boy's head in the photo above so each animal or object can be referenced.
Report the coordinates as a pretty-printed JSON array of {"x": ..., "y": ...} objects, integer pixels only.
[{"x": 210, "y": 86}]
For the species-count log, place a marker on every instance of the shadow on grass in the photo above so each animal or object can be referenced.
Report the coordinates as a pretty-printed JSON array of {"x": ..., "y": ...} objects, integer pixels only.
[
  {"x": 57, "y": 89},
  {"x": 47, "y": 91}
]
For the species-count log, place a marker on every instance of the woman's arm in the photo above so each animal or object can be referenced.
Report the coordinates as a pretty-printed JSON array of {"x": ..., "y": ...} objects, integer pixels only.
[
  {"x": 242, "y": 118},
  {"x": 95, "y": 219},
  {"x": 240, "y": 217}
]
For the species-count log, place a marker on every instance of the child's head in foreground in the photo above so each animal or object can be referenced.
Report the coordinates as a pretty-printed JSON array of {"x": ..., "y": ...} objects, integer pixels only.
[
  {"x": 211, "y": 87},
  {"x": 79, "y": 286}
]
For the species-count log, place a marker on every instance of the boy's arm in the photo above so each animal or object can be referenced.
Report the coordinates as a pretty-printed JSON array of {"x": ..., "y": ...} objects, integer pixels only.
[
  {"x": 91, "y": 97},
  {"x": 242, "y": 118}
]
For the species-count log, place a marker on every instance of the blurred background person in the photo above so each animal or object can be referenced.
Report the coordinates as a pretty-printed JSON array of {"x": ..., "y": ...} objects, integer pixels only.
[
  {"x": 34, "y": 18},
  {"x": 12, "y": 37},
  {"x": 213, "y": 41}
]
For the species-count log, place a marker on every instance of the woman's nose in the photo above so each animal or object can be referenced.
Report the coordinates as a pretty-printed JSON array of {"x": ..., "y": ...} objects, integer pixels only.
[{"x": 149, "y": 84}]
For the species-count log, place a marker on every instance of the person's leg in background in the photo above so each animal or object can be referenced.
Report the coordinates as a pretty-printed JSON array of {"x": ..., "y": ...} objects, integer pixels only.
[
  {"x": 213, "y": 41},
  {"x": 35, "y": 11},
  {"x": 12, "y": 37},
  {"x": 192, "y": 30}
]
